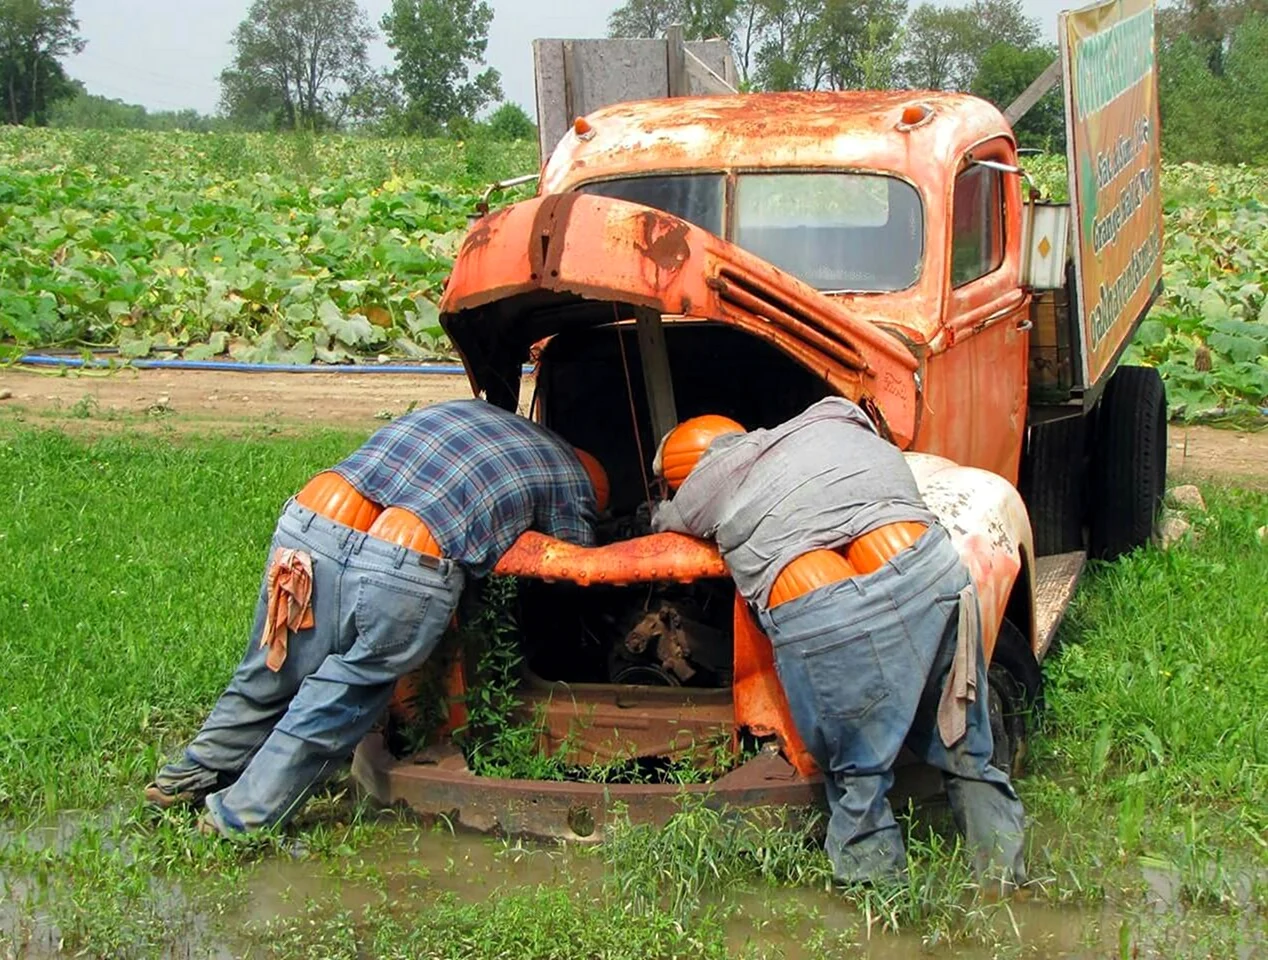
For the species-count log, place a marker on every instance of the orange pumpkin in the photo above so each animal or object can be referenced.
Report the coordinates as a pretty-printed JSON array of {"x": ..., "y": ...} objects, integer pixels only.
[
  {"x": 873, "y": 550},
  {"x": 684, "y": 445},
  {"x": 403, "y": 528},
  {"x": 336, "y": 499},
  {"x": 810, "y": 571},
  {"x": 598, "y": 477}
]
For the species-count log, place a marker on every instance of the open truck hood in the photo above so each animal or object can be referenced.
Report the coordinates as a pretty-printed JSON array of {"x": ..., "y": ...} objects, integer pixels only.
[{"x": 571, "y": 260}]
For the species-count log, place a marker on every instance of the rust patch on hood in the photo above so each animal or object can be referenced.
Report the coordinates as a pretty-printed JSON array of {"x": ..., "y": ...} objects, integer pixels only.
[{"x": 664, "y": 241}]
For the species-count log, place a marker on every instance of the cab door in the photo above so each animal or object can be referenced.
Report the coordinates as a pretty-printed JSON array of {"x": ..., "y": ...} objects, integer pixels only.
[{"x": 978, "y": 383}]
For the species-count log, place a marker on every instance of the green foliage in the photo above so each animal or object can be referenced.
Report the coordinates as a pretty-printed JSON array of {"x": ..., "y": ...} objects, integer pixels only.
[
  {"x": 1214, "y": 92},
  {"x": 1208, "y": 332},
  {"x": 125, "y": 613},
  {"x": 84, "y": 111},
  {"x": 495, "y": 744},
  {"x": 295, "y": 63},
  {"x": 1155, "y": 697},
  {"x": 1003, "y": 73},
  {"x": 945, "y": 46},
  {"x": 121, "y": 626},
  {"x": 700, "y": 19},
  {"x": 438, "y": 43},
  {"x": 510, "y": 122},
  {"x": 255, "y": 247},
  {"x": 35, "y": 36}
]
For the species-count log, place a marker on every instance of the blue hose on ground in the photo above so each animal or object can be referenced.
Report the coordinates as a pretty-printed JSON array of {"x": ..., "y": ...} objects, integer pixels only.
[{"x": 424, "y": 369}]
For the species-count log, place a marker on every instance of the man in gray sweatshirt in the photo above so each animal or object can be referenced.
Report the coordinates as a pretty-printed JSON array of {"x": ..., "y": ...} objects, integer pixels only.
[{"x": 864, "y": 661}]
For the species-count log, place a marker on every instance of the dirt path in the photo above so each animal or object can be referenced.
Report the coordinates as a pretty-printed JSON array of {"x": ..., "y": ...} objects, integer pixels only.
[{"x": 198, "y": 401}]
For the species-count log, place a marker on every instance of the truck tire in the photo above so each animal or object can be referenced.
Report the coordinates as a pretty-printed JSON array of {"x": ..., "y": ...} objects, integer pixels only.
[
  {"x": 1052, "y": 480},
  {"x": 1129, "y": 462}
]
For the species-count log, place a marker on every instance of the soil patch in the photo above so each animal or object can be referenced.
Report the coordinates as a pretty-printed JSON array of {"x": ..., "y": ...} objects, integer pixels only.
[{"x": 197, "y": 401}]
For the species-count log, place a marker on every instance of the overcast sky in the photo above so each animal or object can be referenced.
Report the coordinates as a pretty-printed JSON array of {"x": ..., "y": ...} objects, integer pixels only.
[{"x": 167, "y": 54}]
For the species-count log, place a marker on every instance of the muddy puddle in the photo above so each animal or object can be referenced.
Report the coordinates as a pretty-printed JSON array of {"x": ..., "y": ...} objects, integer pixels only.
[{"x": 43, "y": 914}]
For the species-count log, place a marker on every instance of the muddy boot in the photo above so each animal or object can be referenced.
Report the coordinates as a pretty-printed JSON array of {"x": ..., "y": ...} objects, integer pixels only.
[
  {"x": 184, "y": 783},
  {"x": 166, "y": 799}
]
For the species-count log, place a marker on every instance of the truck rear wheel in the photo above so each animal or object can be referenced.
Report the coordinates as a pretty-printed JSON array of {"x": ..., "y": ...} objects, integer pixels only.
[
  {"x": 1052, "y": 481},
  {"x": 1129, "y": 462}
]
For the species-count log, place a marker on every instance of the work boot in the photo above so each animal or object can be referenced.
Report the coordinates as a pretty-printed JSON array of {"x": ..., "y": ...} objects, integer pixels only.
[
  {"x": 166, "y": 799},
  {"x": 184, "y": 783}
]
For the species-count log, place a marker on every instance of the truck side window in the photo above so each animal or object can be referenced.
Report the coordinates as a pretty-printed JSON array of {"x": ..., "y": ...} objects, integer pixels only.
[{"x": 977, "y": 232}]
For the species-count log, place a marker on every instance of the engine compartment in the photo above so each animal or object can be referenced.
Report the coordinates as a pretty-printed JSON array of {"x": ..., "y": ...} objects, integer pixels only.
[{"x": 590, "y": 390}]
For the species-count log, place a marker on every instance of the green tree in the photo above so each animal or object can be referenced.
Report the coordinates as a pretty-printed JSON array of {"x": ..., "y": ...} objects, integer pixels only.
[
  {"x": 1211, "y": 106},
  {"x": 510, "y": 122},
  {"x": 86, "y": 111},
  {"x": 945, "y": 46},
  {"x": 438, "y": 44},
  {"x": 1246, "y": 68},
  {"x": 1003, "y": 73},
  {"x": 790, "y": 55},
  {"x": 35, "y": 35},
  {"x": 936, "y": 53},
  {"x": 853, "y": 32},
  {"x": 296, "y": 62},
  {"x": 700, "y": 19}
]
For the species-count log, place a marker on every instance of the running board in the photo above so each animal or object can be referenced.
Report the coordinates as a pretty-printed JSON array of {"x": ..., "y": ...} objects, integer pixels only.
[{"x": 1056, "y": 577}]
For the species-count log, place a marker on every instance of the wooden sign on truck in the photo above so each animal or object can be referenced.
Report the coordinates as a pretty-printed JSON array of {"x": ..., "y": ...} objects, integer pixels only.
[{"x": 1115, "y": 166}]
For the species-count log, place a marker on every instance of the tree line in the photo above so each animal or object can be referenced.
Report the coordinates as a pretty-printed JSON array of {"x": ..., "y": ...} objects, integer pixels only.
[{"x": 304, "y": 64}]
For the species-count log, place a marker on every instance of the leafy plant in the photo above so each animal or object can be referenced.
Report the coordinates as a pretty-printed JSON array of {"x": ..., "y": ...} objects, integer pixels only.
[
  {"x": 255, "y": 247},
  {"x": 1208, "y": 332}
]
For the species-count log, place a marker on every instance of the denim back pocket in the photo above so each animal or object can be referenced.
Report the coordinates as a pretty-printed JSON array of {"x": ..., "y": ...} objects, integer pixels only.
[
  {"x": 388, "y": 614},
  {"x": 845, "y": 674}
]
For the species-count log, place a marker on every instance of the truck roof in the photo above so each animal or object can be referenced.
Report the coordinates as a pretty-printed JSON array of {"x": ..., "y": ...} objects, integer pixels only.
[{"x": 856, "y": 129}]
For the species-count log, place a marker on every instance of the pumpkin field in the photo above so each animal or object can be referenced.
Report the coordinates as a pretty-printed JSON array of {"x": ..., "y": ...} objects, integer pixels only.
[{"x": 303, "y": 249}]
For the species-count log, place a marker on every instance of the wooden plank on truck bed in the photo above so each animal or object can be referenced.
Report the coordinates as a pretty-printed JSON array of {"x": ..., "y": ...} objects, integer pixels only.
[{"x": 577, "y": 77}]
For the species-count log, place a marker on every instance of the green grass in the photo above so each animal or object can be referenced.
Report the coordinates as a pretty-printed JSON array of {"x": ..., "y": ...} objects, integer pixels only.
[
  {"x": 129, "y": 569},
  {"x": 130, "y": 565}
]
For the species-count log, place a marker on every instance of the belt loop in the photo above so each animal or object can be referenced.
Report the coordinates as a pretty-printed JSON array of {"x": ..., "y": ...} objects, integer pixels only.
[
  {"x": 308, "y": 520},
  {"x": 398, "y": 557}
]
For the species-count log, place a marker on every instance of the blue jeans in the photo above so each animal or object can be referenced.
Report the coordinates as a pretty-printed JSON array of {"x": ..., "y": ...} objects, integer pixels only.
[
  {"x": 863, "y": 663},
  {"x": 272, "y": 738}
]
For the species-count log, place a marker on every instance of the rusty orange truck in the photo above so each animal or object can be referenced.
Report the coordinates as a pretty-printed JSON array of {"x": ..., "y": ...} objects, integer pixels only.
[{"x": 746, "y": 255}]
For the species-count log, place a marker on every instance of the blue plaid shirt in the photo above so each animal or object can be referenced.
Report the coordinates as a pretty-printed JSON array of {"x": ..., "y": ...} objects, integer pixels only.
[{"x": 478, "y": 476}]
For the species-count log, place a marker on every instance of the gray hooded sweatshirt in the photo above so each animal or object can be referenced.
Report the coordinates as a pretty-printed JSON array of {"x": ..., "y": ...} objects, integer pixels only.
[{"x": 817, "y": 481}]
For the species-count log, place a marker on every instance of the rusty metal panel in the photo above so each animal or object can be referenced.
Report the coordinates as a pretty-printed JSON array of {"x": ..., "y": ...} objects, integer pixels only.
[
  {"x": 603, "y": 723},
  {"x": 439, "y": 784},
  {"x": 988, "y": 524},
  {"x": 609, "y": 250},
  {"x": 1056, "y": 578},
  {"x": 974, "y": 409},
  {"x": 761, "y": 705}
]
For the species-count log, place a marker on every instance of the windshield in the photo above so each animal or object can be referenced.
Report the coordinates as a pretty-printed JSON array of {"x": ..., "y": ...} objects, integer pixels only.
[
  {"x": 836, "y": 231},
  {"x": 858, "y": 232},
  {"x": 696, "y": 198}
]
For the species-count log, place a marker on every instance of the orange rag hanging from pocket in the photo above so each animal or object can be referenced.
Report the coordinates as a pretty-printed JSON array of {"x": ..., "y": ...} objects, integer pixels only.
[{"x": 290, "y": 590}]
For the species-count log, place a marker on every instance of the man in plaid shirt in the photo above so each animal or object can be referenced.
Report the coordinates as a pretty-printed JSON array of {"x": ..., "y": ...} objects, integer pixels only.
[{"x": 343, "y": 614}]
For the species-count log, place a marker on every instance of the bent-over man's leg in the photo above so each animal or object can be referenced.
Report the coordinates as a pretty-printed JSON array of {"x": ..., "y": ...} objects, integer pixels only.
[
  {"x": 985, "y": 806},
  {"x": 397, "y": 605},
  {"x": 846, "y": 663},
  {"x": 256, "y": 697}
]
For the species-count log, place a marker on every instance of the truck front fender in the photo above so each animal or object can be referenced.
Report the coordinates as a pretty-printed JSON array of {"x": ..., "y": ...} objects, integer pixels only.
[{"x": 990, "y": 528}]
